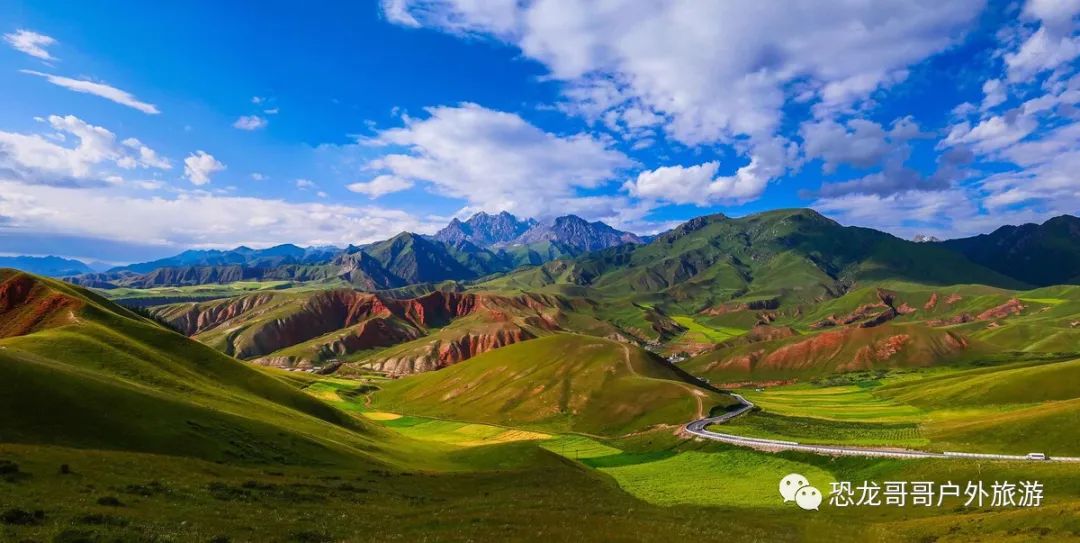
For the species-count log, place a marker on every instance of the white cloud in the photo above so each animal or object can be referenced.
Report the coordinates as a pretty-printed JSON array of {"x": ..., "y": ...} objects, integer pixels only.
[
  {"x": 708, "y": 70},
  {"x": 31, "y": 43},
  {"x": 496, "y": 160},
  {"x": 149, "y": 184},
  {"x": 257, "y": 100},
  {"x": 994, "y": 93},
  {"x": 676, "y": 184},
  {"x": 861, "y": 143},
  {"x": 199, "y": 166},
  {"x": 1051, "y": 45},
  {"x": 700, "y": 185},
  {"x": 993, "y": 133},
  {"x": 397, "y": 11},
  {"x": 256, "y": 176},
  {"x": 272, "y": 111},
  {"x": 198, "y": 219},
  {"x": 45, "y": 159},
  {"x": 147, "y": 157},
  {"x": 944, "y": 214},
  {"x": 381, "y": 185},
  {"x": 98, "y": 89},
  {"x": 1042, "y": 51},
  {"x": 304, "y": 184},
  {"x": 250, "y": 122}
]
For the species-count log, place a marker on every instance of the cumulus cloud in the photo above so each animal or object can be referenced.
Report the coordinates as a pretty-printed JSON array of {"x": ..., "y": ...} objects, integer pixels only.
[
  {"x": 708, "y": 71},
  {"x": 993, "y": 133},
  {"x": 31, "y": 43},
  {"x": 496, "y": 160},
  {"x": 98, "y": 89},
  {"x": 304, "y": 184},
  {"x": 250, "y": 122},
  {"x": 704, "y": 73},
  {"x": 200, "y": 166},
  {"x": 50, "y": 159},
  {"x": 944, "y": 214},
  {"x": 860, "y": 143},
  {"x": 381, "y": 185},
  {"x": 1051, "y": 45},
  {"x": 700, "y": 185},
  {"x": 994, "y": 93},
  {"x": 197, "y": 219}
]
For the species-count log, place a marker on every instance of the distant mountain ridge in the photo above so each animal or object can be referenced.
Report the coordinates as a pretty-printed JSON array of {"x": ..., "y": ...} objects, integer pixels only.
[
  {"x": 272, "y": 256},
  {"x": 506, "y": 231},
  {"x": 732, "y": 257},
  {"x": 1039, "y": 254},
  {"x": 51, "y": 266},
  {"x": 766, "y": 259}
]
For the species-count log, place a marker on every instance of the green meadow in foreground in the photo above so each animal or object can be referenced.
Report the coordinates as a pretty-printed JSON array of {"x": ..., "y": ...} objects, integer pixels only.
[{"x": 1013, "y": 408}]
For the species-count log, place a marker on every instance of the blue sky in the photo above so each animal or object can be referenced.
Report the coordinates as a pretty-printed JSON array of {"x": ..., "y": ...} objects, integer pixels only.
[{"x": 135, "y": 130}]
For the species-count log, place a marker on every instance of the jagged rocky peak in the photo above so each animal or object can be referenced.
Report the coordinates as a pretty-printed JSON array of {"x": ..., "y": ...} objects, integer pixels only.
[
  {"x": 923, "y": 238},
  {"x": 485, "y": 230},
  {"x": 579, "y": 233}
]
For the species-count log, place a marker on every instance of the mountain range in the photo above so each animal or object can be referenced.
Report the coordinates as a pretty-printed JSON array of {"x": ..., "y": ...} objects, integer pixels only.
[
  {"x": 487, "y": 244},
  {"x": 52, "y": 266},
  {"x": 1039, "y": 254},
  {"x": 483, "y": 245},
  {"x": 735, "y": 273}
]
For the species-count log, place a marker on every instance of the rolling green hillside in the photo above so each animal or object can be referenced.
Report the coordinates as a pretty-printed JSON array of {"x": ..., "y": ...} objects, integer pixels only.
[
  {"x": 773, "y": 258},
  {"x": 561, "y": 382},
  {"x": 1040, "y": 254},
  {"x": 1012, "y": 407},
  {"x": 78, "y": 371}
]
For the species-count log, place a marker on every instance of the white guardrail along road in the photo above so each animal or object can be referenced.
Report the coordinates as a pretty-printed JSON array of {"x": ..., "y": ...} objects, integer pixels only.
[{"x": 698, "y": 428}]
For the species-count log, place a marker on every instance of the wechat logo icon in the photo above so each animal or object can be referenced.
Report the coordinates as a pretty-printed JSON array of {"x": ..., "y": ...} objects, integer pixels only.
[{"x": 796, "y": 488}]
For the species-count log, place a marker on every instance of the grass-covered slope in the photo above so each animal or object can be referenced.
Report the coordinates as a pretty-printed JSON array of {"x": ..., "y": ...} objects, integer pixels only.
[
  {"x": 562, "y": 383},
  {"x": 1012, "y": 407},
  {"x": 76, "y": 370},
  {"x": 846, "y": 349},
  {"x": 398, "y": 335},
  {"x": 1040, "y": 254},
  {"x": 786, "y": 255}
]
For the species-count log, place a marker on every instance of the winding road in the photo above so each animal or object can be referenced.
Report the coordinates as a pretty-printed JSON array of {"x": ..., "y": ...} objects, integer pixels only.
[{"x": 698, "y": 428}]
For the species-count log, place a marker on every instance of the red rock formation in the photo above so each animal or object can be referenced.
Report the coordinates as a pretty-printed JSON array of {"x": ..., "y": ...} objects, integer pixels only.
[
  {"x": 879, "y": 351},
  {"x": 755, "y": 305},
  {"x": 1011, "y": 307},
  {"x": 26, "y": 305},
  {"x": 200, "y": 318},
  {"x": 931, "y": 303},
  {"x": 761, "y": 333},
  {"x": 440, "y": 353},
  {"x": 436, "y": 308}
]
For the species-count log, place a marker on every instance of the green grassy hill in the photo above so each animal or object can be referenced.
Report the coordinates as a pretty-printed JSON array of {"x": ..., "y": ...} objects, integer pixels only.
[
  {"x": 78, "y": 371},
  {"x": 1006, "y": 407},
  {"x": 1039, "y": 254},
  {"x": 561, "y": 382},
  {"x": 784, "y": 256}
]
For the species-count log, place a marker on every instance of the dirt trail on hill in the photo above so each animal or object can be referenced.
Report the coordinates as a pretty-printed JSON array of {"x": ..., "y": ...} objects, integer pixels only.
[{"x": 695, "y": 393}]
